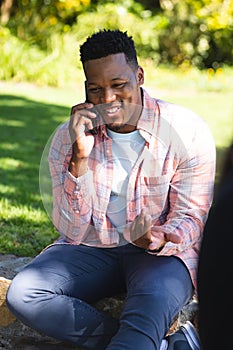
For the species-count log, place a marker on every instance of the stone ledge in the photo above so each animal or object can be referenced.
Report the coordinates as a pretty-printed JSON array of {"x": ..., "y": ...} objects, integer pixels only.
[{"x": 6, "y": 317}]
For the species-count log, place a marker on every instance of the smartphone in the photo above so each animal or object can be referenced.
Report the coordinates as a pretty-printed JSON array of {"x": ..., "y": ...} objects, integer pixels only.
[{"x": 94, "y": 121}]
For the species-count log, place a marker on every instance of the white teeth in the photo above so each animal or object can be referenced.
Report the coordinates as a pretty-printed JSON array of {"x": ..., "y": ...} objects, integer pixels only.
[{"x": 112, "y": 110}]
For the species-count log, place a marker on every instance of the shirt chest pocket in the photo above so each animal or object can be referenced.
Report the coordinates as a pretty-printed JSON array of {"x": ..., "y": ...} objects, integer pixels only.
[{"x": 152, "y": 193}]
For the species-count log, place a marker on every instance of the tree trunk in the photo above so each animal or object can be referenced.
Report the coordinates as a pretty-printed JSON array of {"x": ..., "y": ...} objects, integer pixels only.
[{"x": 5, "y": 11}]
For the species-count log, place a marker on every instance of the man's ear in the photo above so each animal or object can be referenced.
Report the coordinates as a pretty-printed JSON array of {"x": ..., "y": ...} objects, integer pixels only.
[{"x": 140, "y": 76}]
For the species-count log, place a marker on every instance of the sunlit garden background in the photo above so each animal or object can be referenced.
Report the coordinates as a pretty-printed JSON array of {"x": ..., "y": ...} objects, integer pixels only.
[{"x": 185, "y": 48}]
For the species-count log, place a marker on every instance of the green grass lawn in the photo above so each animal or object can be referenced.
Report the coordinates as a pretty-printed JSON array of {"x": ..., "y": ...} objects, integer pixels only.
[{"x": 28, "y": 117}]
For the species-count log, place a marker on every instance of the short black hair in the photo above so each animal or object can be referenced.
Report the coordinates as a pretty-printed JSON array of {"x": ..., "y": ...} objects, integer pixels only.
[{"x": 109, "y": 42}]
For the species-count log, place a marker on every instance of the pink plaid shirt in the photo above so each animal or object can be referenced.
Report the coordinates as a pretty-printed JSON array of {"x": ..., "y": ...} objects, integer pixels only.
[{"x": 173, "y": 178}]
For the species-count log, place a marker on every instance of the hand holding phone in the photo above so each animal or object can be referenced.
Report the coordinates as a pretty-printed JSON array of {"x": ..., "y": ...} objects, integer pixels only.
[
  {"x": 81, "y": 129},
  {"x": 80, "y": 125}
]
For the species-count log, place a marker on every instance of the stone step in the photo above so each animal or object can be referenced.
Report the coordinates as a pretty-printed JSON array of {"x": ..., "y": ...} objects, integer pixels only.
[{"x": 6, "y": 316}]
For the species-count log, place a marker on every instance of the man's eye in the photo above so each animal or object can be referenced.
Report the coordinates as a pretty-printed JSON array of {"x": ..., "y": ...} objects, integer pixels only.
[
  {"x": 94, "y": 90},
  {"x": 119, "y": 86}
]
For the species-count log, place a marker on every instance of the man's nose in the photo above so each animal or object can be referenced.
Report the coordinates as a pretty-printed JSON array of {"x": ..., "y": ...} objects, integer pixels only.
[{"x": 108, "y": 95}]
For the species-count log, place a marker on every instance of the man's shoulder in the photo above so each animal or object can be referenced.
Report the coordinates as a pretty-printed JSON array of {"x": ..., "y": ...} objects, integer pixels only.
[
  {"x": 62, "y": 130},
  {"x": 63, "y": 126},
  {"x": 178, "y": 111},
  {"x": 172, "y": 111},
  {"x": 61, "y": 136},
  {"x": 177, "y": 122},
  {"x": 182, "y": 119}
]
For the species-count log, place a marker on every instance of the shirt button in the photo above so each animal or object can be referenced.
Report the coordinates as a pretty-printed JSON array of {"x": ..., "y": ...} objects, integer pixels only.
[{"x": 78, "y": 186}]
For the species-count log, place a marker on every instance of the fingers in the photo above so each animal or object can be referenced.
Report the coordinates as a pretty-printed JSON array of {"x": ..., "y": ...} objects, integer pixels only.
[
  {"x": 81, "y": 120},
  {"x": 83, "y": 109},
  {"x": 147, "y": 222},
  {"x": 80, "y": 125},
  {"x": 144, "y": 222},
  {"x": 144, "y": 241},
  {"x": 141, "y": 230}
]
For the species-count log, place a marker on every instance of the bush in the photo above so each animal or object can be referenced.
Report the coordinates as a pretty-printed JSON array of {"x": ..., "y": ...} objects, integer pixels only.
[
  {"x": 197, "y": 32},
  {"x": 20, "y": 61},
  {"x": 179, "y": 36}
]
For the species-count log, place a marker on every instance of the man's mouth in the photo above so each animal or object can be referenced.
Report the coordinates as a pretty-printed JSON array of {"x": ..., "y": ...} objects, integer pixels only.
[{"x": 110, "y": 111}]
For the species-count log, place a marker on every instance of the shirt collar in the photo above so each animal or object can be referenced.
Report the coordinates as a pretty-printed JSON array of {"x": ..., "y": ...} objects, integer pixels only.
[{"x": 148, "y": 120}]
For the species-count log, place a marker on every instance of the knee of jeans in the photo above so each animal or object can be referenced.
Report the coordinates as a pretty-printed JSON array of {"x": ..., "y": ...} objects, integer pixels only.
[
  {"x": 24, "y": 290},
  {"x": 152, "y": 305}
]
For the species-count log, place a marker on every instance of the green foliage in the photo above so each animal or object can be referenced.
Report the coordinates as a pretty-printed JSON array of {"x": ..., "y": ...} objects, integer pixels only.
[
  {"x": 57, "y": 64},
  {"x": 123, "y": 15},
  {"x": 36, "y": 20},
  {"x": 20, "y": 61},
  {"x": 41, "y": 39},
  {"x": 198, "y": 33}
]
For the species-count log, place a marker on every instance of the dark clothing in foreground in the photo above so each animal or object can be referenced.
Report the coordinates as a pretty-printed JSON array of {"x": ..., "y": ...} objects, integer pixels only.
[{"x": 215, "y": 287}]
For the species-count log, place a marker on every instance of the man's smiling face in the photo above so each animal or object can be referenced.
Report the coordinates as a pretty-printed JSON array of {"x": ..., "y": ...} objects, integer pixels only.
[{"x": 114, "y": 86}]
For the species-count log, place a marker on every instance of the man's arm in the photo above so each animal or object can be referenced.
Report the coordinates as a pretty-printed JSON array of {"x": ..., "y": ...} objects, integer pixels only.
[
  {"x": 190, "y": 158},
  {"x": 190, "y": 196},
  {"x": 71, "y": 213}
]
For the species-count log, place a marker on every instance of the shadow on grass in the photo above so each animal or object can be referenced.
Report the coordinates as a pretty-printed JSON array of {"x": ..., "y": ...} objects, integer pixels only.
[{"x": 26, "y": 126}]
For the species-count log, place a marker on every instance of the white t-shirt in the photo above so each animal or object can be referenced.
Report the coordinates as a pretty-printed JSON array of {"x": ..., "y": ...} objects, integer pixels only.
[{"x": 125, "y": 149}]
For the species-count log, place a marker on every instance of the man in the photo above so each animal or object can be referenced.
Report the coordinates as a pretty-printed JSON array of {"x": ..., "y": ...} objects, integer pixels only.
[{"x": 132, "y": 186}]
